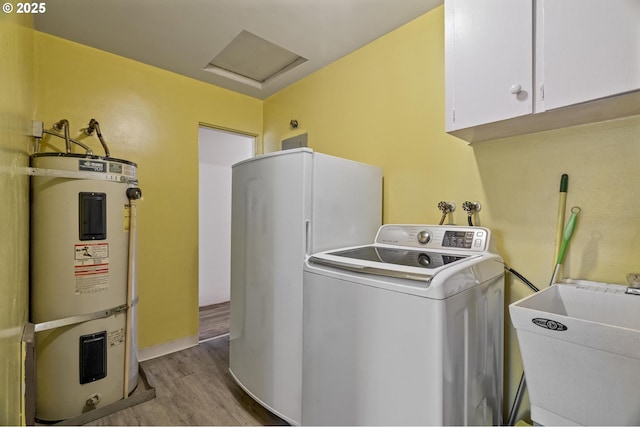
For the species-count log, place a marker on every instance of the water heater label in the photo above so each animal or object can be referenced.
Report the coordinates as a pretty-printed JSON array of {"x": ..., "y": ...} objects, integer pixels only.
[
  {"x": 115, "y": 167},
  {"x": 92, "y": 166},
  {"x": 116, "y": 337},
  {"x": 126, "y": 220},
  {"x": 91, "y": 267}
]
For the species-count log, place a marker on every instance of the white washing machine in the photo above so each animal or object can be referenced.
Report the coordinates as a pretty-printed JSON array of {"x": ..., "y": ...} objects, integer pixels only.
[{"x": 406, "y": 331}]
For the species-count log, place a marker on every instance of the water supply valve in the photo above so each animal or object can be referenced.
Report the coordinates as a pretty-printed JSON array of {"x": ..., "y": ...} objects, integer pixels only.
[
  {"x": 634, "y": 284},
  {"x": 446, "y": 208},
  {"x": 471, "y": 208},
  {"x": 94, "y": 126}
]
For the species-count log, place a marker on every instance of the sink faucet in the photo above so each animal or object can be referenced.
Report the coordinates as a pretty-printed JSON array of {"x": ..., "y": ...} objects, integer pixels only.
[{"x": 634, "y": 284}]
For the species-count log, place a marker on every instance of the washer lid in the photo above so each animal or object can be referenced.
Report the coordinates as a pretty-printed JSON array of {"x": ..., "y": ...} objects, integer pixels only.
[
  {"x": 389, "y": 261},
  {"x": 399, "y": 256}
]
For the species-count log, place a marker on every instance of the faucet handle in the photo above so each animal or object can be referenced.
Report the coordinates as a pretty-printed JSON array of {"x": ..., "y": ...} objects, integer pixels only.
[
  {"x": 446, "y": 208},
  {"x": 634, "y": 284}
]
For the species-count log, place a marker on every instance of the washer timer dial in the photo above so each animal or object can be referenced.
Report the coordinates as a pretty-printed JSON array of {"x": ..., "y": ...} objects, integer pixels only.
[{"x": 424, "y": 237}]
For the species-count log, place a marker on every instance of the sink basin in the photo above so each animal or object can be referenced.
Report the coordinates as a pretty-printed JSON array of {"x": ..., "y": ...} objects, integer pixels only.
[{"x": 580, "y": 346}]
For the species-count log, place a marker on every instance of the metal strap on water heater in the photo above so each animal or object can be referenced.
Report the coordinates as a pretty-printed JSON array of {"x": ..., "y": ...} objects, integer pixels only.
[
  {"x": 67, "y": 321},
  {"x": 98, "y": 176}
]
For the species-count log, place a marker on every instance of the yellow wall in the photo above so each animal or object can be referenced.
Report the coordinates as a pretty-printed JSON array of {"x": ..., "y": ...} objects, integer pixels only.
[
  {"x": 16, "y": 113},
  {"x": 151, "y": 117},
  {"x": 384, "y": 104}
]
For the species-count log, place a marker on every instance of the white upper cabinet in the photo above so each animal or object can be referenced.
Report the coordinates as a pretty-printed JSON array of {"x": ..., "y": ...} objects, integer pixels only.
[
  {"x": 488, "y": 61},
  {"x": 591, "y": 50},
  {"x": 582, "y": 67}
]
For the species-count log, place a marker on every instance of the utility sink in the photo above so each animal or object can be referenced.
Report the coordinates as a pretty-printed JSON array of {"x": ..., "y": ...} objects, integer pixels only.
[{"x": 580, "y": 346}]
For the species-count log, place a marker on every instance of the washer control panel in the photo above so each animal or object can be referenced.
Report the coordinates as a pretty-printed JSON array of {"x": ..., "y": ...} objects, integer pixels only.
[{"x": 467, "y": 239}]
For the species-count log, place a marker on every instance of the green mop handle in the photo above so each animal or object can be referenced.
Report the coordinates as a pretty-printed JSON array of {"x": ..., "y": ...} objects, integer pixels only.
[{"x": 568, "y": 233}]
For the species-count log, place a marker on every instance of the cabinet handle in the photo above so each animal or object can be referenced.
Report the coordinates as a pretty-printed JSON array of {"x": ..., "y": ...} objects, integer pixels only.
[{"x": 515, "y": 89}]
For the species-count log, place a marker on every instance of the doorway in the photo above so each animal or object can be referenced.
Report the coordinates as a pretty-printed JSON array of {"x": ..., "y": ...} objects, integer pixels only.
[{"x": 218, "y": 150}]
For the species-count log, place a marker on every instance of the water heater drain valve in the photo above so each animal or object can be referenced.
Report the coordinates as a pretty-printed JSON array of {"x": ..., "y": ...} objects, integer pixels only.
[{"x": 93, "y": 400}]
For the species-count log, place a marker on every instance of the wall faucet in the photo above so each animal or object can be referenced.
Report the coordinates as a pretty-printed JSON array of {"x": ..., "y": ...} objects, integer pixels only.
[
  {"x": 446, "y": 208},
  {"x": 634, "y": 284}
]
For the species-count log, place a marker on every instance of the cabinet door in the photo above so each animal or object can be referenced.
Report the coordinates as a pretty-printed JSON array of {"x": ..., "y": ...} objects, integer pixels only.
[
  {"x": 488, "y": 61},
  {"x": 591, "y": 50}
]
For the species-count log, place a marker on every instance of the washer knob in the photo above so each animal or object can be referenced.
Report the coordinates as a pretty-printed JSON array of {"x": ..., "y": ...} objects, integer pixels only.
[
  {"x": 424, "y": 237},
  {"x": 424, "y": 260}
]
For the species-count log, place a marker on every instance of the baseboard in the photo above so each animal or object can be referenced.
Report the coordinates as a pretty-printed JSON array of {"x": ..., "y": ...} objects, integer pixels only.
[{"x": 167, "y": 348}]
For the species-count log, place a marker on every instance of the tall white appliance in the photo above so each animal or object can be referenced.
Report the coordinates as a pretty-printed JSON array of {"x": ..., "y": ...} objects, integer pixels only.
[{"x": 285, "y": 206}]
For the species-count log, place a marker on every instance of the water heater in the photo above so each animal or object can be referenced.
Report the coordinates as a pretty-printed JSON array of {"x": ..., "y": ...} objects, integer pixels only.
[{"x": 83, "y": 294}]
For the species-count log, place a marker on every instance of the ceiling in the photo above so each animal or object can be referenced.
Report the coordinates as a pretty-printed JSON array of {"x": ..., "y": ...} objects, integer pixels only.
[{"x": 184, "y": 36}]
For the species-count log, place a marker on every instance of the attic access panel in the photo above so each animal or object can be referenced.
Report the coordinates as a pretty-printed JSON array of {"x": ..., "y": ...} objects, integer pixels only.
[{"x": 253, "y": 60}]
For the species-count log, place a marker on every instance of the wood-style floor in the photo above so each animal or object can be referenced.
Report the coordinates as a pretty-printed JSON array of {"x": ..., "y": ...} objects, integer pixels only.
[
  {"x": 214, "y": 321},
  {"x": 194, "y": 388}
]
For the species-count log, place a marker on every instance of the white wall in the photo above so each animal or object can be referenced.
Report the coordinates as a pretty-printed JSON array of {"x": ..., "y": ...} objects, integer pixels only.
[{"x": 218, "y": 151}]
